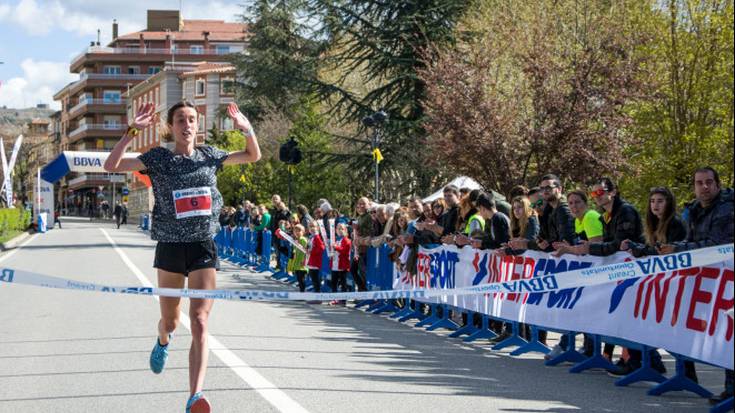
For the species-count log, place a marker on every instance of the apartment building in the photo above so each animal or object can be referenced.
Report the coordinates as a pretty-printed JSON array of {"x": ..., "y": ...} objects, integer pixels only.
[{"x": 94, "y": 110}]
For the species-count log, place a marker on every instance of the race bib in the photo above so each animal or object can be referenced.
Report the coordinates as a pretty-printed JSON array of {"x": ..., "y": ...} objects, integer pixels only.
[{"x": 192, "y": 202}]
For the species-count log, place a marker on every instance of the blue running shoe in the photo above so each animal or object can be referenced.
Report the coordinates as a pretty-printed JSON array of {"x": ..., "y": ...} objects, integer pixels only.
[
  {"x": 198, "y": 404},
  {"x": 159, "y": 355}
]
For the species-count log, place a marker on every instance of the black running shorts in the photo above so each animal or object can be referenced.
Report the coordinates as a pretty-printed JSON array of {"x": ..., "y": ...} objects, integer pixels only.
[{"x": 185, "y": 257}]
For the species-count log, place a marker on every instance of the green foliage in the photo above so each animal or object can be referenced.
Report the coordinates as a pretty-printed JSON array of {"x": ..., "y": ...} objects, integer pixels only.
[
  {"x": 688, "y": 121},
  {"x": 280, "y": 60},
  {"x": 385, "y": 43},
  {"x": 311, "y": 179},
  {"x": 13, "y": 221}
]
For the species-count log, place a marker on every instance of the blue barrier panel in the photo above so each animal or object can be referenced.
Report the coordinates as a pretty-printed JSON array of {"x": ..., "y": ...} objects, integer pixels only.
[
  {"x": 265, "y": 263},
  {"x": 240, "y": 246},
  {"x": 249, "y": 242},
  {"x": 370, "y": 270},
  {"x": 282, "y": 260},
  {"x": 325, "y": 272},
  {"x": 385, "y": 279}
]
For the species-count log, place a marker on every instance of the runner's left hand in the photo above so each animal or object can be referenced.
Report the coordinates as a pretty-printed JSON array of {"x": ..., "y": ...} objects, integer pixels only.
[{"x": 241, "y": 122}]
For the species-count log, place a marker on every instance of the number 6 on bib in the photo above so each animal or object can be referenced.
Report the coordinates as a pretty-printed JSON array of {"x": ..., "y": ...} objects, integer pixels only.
[{"x": 192, "y": 202}]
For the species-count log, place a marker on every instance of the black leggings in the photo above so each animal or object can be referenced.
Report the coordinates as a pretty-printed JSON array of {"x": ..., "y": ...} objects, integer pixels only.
[
  {"x": 358, "y": 268},
  {"x": 301, "y": 279},
  {"x": 315, "y": 280},
  {"x": 339, "y": 278}
]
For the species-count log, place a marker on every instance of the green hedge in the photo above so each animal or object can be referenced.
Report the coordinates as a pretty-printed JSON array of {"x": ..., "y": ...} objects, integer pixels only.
[{"x": 13, "y": 221}]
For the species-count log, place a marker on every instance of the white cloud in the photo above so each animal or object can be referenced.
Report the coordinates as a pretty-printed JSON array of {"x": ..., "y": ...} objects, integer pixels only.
[
  {"x": 40, "y": 80},
  {"x": 83, "y": 17},
  {"x": 4, "y": 10}
]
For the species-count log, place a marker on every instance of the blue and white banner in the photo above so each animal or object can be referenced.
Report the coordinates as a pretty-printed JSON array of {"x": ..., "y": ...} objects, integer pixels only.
[
  {"x": 72, "y": 161},
  {"x": 680, "y": 302}
]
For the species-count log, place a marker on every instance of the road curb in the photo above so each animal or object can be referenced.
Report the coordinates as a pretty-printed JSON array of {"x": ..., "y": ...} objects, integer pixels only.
[{"x": 12, "y": 243}]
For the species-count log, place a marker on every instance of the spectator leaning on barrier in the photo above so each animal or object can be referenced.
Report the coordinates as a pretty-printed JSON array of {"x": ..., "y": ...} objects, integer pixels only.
[
  {"x": 523, "y": 224},
  {"x": 315, "y": 255},
  {"x": 587, "y": 223},
  {"x": 497, "y": 225},
  {"x": 662, "y": 226},
  {"x": 298, "y": 262},
  {"x": 620, "y": 221},
  {"x": 710, "y": 223},
  {"x": 446, "y": 224},
  {"x": 362, "y": 228},
  {"x": 264, "y": 224},
  {"x": 557, "y": 223},
  {"x": 341, "y": 261}
]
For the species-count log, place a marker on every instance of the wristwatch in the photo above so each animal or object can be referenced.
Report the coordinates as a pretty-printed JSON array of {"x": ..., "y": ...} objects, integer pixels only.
[{"x": 132, "y": 131}]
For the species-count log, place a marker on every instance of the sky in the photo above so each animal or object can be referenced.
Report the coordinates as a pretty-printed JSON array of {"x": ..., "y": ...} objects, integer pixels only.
[{"x": 39, "y": 38}]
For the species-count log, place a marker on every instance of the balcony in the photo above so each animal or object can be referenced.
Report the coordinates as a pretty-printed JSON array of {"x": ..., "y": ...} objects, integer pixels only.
[
  {"x": 90, "y": 105},
  {"x": 94, "y": 179},
  {"x": 121, "y": 54},
  {"x": 119, "y": 80},
  {"x": 97, "y": 130}
]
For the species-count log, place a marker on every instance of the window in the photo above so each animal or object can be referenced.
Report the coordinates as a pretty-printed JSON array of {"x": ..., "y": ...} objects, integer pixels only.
[
  {"x": 223, "y": 49},
  {"x": 133, "y": 70},
  {"x": 227, "y": 124},
  {"x": 197, "y": 49},
  {"x": 153, "y": 70},
  {"x": 202, "y": 124},
  {"x": 111, "y": 70},
  {"x": 200, "y": 87},
  {"x": 111, "y": 122},
  {"x": 227, "y": 85},
  {"x": 111, "y": 96}
]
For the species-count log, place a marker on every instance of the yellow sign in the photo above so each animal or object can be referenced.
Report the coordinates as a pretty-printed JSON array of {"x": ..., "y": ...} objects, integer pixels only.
[
  {"x": 377, "y": 156},
  {"x": 100, "y": 144},
  {"x": 125, "y": 198}
]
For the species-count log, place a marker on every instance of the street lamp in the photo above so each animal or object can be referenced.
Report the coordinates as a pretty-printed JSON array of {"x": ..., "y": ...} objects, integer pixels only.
[{"x": 376, "y": 121}]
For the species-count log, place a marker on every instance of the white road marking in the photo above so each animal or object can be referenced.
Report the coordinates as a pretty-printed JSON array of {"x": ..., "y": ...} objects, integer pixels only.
[{"x": 272, "y": 394}]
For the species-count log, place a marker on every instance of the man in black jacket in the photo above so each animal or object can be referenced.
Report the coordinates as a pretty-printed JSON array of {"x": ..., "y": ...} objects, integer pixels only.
[
  {"x": 620, "y": 222},
  {"x": 558, "y": 223},
  {"x": 710, "y": 223}
]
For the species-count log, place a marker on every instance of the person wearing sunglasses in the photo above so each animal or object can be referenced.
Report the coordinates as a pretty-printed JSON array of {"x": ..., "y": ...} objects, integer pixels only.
[
  {"x": 620, "y": 222},
  {"x": 557, "y": 223}
]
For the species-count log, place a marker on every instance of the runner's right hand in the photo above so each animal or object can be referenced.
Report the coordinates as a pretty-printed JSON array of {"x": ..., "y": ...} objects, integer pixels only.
[{"x": 145, "y": 116}]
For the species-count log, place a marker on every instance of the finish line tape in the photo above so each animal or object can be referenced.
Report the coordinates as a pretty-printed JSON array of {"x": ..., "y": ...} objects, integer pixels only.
[{"x": 570, "y": 279}]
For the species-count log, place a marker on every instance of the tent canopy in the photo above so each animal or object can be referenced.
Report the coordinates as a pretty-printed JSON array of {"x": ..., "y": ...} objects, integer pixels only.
[{"x": 462, "y": 182}]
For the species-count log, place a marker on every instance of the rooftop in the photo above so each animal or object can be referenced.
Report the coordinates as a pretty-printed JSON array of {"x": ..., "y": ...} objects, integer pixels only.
[
  {"x": 207, "y": 68},
  {"x": 192, "y": 30}
]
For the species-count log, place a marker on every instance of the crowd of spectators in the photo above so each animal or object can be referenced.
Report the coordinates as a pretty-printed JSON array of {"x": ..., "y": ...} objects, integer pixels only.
[{"x": 542, "y": 218}]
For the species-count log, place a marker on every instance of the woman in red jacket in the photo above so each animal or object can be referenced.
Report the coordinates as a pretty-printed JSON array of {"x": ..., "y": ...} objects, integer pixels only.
[
  {"x": 341, "y": 261},
  {"x": 315, "y": 254}
]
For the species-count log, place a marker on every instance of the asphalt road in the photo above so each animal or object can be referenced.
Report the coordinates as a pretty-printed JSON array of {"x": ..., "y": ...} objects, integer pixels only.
[{"x": 68, "y": 351}]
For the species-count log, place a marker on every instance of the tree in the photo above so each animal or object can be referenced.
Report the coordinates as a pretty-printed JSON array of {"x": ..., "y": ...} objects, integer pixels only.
[
  {"x": 383, "y": 43},
  {"x": 540, "y": 88},
  {"x": 311, "y": 179},
  {"x": 280, "y": 60},
  {"x": 688, "y": 120}
]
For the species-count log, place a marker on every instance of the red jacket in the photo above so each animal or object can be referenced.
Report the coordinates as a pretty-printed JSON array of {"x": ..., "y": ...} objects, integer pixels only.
[
  {"x": 316, "y": 252},
  {"x": 343, "y": 247}
]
